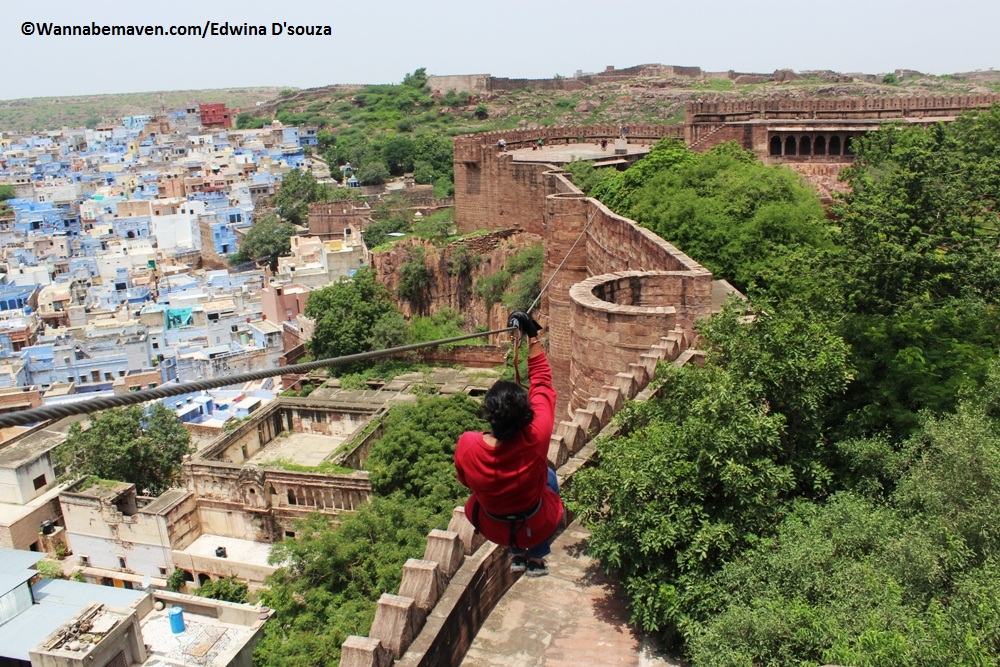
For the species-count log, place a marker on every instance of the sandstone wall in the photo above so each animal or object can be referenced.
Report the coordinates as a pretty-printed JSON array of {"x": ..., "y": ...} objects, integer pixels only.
[
  {"x": 853, "y": 108},
  {"x": 445, "y": 597},
  {"x": 489, "y": 252}
]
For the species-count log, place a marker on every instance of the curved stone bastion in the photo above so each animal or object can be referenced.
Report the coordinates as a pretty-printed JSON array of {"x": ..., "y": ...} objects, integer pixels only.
[{"x": 617, "y": 317}]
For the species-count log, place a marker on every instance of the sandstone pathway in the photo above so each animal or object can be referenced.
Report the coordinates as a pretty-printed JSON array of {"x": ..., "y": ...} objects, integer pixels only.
[{"x": 575, "y": 616}]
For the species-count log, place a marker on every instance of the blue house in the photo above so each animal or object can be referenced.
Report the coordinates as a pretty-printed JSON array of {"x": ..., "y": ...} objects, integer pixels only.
[{"x": 15, "y": 297}]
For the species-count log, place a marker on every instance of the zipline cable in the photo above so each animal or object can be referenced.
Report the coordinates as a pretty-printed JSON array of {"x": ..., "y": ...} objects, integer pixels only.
[
  {"x": 590, "y": 219},
  {"x": 60, "y": 411},
  {"x": 47, "y": 412}
]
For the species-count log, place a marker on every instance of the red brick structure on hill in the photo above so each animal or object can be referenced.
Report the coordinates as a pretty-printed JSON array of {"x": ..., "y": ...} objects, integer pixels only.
[{"x": 621, "y": 301}]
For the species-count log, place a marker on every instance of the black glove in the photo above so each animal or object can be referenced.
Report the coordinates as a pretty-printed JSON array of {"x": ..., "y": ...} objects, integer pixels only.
[{"x": 524, "y": 322}]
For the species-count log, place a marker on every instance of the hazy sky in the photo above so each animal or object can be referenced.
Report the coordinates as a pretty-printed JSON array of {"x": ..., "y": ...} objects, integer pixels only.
[{"x": 379, "y": 41}]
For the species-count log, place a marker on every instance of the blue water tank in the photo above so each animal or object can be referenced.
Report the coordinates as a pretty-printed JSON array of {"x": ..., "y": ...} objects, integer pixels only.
[{"x": 176, "y": 615}]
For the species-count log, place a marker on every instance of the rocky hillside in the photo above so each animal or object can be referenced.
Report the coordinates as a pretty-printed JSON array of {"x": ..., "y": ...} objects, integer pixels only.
[{"x": 53, "y": 113}]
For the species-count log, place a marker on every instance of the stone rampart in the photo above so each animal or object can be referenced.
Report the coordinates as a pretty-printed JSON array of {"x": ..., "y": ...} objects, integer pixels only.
[
  {"x": 445, "y": 597},
  {"x": 581, "y": 238},
  {"x": 845, "y": 108}
]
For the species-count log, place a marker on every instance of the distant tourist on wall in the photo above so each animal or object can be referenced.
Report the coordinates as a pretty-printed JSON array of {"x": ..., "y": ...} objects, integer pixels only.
[{"x": 502, "y": 146}]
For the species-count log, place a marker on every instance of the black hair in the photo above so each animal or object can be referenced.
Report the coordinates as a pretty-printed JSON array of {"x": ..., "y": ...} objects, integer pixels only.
[{"x": 506, "y": 408}]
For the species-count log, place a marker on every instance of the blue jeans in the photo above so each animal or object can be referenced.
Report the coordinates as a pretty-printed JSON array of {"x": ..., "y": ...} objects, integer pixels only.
[{"x": 540, "y": 550}]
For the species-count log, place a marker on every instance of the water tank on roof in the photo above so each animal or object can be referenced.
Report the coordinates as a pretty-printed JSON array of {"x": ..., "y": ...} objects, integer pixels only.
[
  {"x": 220, "y": 552},
  {"x": 176, "y": 615}
]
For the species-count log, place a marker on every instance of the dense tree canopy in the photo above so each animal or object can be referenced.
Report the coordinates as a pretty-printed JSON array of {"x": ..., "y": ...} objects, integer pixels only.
[
  {"x": 821, "y": 491},
  {"x": 350, "y": 313},
  {"x": 267, "y": 239},
  {"x": 229, "y": 589},
  {"x": 128, "y": 445}
]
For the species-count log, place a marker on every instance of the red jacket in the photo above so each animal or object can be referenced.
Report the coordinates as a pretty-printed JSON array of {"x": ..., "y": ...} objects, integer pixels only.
[{"x": 512, "y": 477}]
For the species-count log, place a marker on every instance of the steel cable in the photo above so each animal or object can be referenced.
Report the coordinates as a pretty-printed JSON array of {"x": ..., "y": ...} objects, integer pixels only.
[{"x": 47, "y": 412}]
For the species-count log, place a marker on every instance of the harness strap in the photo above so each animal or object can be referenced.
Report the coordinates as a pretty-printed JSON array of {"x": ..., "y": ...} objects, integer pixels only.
[{"x": 516, "y": 520}]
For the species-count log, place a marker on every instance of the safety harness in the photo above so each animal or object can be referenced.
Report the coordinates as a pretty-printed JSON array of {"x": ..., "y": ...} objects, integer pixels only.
[{"x": 516, "y": 520}]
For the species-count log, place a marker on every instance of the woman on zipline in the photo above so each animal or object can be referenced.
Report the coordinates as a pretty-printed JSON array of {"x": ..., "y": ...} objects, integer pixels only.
[{"x": 515, "y": 495}]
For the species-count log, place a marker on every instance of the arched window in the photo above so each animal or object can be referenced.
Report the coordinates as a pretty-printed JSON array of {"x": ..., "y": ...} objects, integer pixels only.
[
  {"x": 819, "y": 146},
  {"x": 834, "y": 145},
  {"x": 203, "y": 579},
  {"x": 775, "y": 146},
  {"x": 805, "y": 146},
  {"x": 849, "y": 146},
  {"x": 790, "y": 146}
]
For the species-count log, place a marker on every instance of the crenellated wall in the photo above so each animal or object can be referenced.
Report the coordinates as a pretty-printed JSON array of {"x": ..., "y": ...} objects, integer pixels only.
[
  {"x": 621, "y": 301},
  {"x": 841, "y": 108},
  {"x": 582, "y": 238},
  {"x": 445, "y": 597}
]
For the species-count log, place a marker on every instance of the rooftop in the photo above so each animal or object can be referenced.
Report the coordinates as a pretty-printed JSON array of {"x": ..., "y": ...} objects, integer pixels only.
[
  {"x": 165, "y": 501},
  {"x": 565, "y": 153},
  {"x": 304, "y": 449},
  {"x": 242, "y": 551},
  {"x": 29, "y": 447},
  {"x": 16, "y": 567},
  {"x": 204, "y": 641},
  {"x": 56, "y": 602}
]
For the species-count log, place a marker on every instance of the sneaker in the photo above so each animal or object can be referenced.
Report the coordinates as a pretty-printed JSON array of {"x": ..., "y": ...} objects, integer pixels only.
[
  {"x": 518, "y": 564},
  {"x": 536, "y": 568}
]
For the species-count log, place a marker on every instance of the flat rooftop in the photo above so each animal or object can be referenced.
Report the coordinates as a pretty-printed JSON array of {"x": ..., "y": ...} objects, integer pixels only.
[
  {"x": 29, "y": 447},
  {"x": 56, "y": 602},
  {"x": 566, "y": 153},
  {"x": 204, "y": 641},
  {"x": 241, "y": 551},
  {"x": 11, "y": 513},
  {"x": 304, "y": 449}
]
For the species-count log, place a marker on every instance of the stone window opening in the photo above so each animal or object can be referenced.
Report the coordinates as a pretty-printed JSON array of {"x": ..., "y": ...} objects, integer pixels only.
[
  {"x": 775, "y": 149},
  {"x": 805, "y": 146},
  {"x": 790, "y": 146},
  {"x": 835, "y": 145},
  {"x": 819, "y": 146}
]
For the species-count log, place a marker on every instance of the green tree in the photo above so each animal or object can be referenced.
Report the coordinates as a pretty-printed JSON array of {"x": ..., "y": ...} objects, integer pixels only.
[
  {"x": 267, "y": 239},
  {"x": 128, "y": 445},
  {"x": 176, "y": 580},
  {"x": 730, "y": 211},
  {"x": 617, "y": 190},
  {"x": 229, "y": 589},
  {"x": 49, "y": 569},
  {"x": 416, "y": 80},
  {"x": 905, "y": 579},
  {"x": 919, "y": 272},
  {"x": 398, "y": 153},
  {"x": 373, "y": 172},
  {"x": 6, "y": 192},
  {"x": 712, "y": 462},
  {"x": 415, "y": 279},
  {"x": 298, "y": 189},
  {"x": 247, "y": 121},
  {"x": 415, "y": 457},
  {"x": 346, "y": 314}
]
